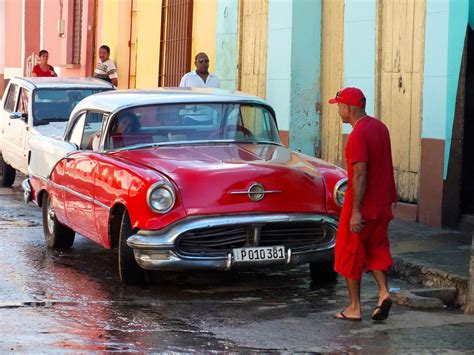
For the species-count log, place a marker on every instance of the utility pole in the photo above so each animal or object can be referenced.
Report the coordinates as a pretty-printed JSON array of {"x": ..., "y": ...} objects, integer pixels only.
[{"x": 469, "y": 308}]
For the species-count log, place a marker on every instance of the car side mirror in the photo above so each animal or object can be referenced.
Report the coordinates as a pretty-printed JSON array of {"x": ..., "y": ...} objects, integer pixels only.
[{"x": 16, "y": 116}]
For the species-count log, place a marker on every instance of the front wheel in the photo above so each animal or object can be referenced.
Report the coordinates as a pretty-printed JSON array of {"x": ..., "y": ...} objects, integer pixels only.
[
  {"x": 57, "y": 235},
  {"x": 322, "y": 271},
  {"x": 7, "y": 173},
  {"x": 129, "y": 271}
]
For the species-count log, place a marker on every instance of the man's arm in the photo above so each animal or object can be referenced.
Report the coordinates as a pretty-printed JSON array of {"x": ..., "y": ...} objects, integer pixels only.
[{"x": 359, "y": 182}]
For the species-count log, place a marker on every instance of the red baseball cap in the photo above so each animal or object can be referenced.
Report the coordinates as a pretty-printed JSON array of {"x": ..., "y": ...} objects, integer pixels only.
[{"x": 349, "y": 96}]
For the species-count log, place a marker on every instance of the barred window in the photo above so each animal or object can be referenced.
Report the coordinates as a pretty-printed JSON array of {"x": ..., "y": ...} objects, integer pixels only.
[
  {"x": 77, "y": 32},
  {"x": 176, "y": 33}
]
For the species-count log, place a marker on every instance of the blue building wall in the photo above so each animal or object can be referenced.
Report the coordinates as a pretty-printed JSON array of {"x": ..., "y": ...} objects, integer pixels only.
[
  {"x": 278, "y": 82},
  {"x": 359, "y": 49},
  {"x": 444, "y": 44},
  {"x": 305, "y": 74},
  {"x": 227, "y": 43},
  {"x": 293, "y": 69}
]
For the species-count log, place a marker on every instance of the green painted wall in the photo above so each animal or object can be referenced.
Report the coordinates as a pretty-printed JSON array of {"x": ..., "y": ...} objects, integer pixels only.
[
  {"x": 227, "y": 43},
  {"x": 293, "y": 70}
]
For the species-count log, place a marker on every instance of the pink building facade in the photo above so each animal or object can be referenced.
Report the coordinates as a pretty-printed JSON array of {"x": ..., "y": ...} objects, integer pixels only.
[{"x": 65, "y": 28}]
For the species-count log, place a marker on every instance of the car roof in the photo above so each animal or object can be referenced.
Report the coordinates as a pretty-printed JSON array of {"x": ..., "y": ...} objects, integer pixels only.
[
  {"x": 116, "y": 100},
  {"x": 61, "y": 82}
]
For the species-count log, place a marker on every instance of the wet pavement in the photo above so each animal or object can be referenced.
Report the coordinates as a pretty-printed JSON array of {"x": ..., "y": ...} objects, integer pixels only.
[{"x": 73, "y": 302}]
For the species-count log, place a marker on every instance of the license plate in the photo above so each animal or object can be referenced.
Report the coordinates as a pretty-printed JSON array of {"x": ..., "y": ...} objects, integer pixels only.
[{"x": 259, "y": 254}]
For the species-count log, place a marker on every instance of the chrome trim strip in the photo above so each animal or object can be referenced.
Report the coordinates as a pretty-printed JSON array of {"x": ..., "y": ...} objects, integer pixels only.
[
  {"x": 26, "y": 190},
  {"x": 166, "y": 238},
  {"x": 75, "y": 193},
  {"x": 174, "y": 262},
  {"x": 253, "y": 193}
]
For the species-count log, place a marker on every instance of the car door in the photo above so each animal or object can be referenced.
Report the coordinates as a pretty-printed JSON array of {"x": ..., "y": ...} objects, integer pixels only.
[
  {"x": 80, "y": 169},
  {"x": 24, "y": 128},
  {"x": 13, "y": 127}
]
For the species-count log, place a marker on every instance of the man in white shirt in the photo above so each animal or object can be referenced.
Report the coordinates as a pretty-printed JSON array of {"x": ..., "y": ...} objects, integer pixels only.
[
  {"x": 106, "y": 69},
  {"x": 200, "y": 78}
]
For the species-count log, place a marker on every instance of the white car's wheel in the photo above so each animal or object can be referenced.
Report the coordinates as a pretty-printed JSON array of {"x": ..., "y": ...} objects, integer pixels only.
[
  {"x": 129, "y": 271},
  {"x": 57, "y": 235},
  {"x": 7, "y": 173}
]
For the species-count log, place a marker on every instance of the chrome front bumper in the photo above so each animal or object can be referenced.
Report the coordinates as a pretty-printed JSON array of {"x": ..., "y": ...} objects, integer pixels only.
[
  {"x": 26, "y": 190},
  {"x": 155, "y": 250}
]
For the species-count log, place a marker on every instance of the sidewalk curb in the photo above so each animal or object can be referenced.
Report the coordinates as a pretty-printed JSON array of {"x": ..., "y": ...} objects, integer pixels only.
[{"x": 416, "y": 273}]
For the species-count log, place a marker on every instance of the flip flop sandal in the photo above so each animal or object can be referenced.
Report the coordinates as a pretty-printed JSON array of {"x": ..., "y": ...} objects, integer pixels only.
[
  {"x": 381, "y": 312},
  {"x": 344, "y": 317}
]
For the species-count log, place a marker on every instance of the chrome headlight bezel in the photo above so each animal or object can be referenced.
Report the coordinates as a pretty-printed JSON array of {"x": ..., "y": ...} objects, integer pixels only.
[
  {"x": 164, "y": 186},
  {"x": 340, "y": 191}
]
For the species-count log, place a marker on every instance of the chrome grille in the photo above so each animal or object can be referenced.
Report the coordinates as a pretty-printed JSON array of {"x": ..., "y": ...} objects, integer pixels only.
[{"x": 216, "y": 241}]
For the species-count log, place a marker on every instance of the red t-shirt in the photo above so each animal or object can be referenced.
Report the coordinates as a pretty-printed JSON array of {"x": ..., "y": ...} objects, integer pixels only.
[
  {"x": 369, "y": 142},
  {"x": 37, "y": 70}
]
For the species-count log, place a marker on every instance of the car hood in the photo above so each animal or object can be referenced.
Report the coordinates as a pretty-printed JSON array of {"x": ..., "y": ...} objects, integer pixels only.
[
  {"x": 52, "y": 129},
  {"x": 216, "y": 178}
]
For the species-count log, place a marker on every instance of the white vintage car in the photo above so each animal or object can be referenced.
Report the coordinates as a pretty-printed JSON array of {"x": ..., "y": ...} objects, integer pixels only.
[{"x": 37, "y": 106}]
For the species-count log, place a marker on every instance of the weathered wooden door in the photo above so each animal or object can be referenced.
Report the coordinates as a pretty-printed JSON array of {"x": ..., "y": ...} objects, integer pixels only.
[
  {"x": 332, "y": 77},
  {"x": 401, "y": 25},
  {"x": 253, "y": 29}
]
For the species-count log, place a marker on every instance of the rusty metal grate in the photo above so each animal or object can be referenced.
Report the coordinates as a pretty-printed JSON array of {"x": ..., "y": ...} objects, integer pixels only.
[{"x": 175, "y": 48}]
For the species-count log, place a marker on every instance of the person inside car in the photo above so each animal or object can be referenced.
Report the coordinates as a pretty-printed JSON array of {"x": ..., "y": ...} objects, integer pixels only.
[{"x": 124, "y": 129}]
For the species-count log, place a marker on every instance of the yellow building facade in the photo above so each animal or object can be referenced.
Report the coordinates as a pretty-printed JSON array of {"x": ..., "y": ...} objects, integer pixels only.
[{"x": 133, "y": 31}]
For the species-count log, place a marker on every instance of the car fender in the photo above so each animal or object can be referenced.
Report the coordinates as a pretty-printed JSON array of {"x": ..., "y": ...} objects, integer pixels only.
[{"x": 45, "y": 153}]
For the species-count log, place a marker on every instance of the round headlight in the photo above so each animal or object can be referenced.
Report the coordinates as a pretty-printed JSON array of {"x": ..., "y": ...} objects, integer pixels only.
[
  {"x": 161, "y": 197},
  {"x": 340, "y": 191}
]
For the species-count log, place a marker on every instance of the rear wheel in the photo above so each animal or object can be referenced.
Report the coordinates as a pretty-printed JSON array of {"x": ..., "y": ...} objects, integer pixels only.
[
  {"x": 322, "y": 272},
  {"x": 7, "y": 173},
  {"x": 129, "y": 271},
  {"x": 57, "y": 235}
]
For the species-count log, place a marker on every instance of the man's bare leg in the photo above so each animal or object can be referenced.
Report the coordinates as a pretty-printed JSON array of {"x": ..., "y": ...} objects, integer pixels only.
[
  {"x": 381, "y": 279},
  {"x": 353, "y": 310}
]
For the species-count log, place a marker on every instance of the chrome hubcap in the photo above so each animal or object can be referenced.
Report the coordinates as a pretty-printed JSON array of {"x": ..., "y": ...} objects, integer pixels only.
[{"x": 50, "y": 218}]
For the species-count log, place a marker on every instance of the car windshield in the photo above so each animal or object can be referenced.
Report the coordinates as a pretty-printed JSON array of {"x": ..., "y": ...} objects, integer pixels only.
[
  {"x": 55, "y": 105},
  {"x": 192, "y": 123}
]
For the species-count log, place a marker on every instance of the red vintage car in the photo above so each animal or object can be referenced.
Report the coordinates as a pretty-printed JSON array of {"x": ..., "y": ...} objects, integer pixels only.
[{"x": 185, "y": 180}]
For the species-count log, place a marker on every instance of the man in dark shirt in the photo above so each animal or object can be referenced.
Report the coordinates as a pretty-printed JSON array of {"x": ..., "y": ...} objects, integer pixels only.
[{"x": 362, "y": 238}]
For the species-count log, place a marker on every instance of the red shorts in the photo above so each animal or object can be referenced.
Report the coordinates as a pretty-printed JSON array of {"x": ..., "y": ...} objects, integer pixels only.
[{"x": 369, "y": 249}]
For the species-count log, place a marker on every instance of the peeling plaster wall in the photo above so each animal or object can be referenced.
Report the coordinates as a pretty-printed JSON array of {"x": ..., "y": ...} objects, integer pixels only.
[
  {"x": 305, "y": 75},
  {"x": 227, "y": 43},
  {"x": 293, "y": 70},
  {"x": 279, "y": 60},
  {"x": 359, "y": 49}
]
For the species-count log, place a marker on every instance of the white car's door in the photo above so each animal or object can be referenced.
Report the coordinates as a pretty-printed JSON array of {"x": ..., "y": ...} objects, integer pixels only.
[{"x": 14, "y": 127}]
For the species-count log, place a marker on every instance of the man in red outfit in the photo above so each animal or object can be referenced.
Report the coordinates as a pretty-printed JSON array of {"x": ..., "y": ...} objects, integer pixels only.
[{"x": 362, "y": 239}]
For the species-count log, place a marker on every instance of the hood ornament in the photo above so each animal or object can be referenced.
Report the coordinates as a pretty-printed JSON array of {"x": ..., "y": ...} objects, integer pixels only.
[{"x": 256, "y": 192}]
